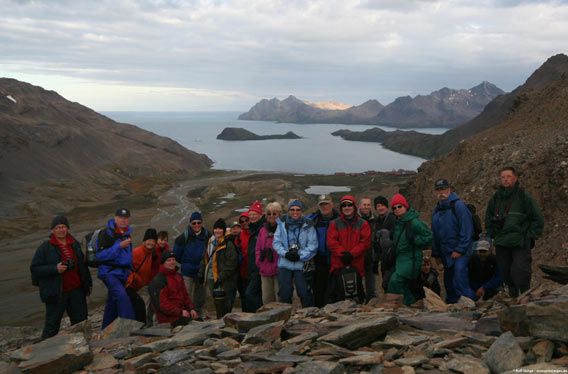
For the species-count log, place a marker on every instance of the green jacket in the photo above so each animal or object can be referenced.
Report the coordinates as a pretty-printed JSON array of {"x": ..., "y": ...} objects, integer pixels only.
[
  {"x": 523, "y": 220},
  {"x": 409, "y": 246}
]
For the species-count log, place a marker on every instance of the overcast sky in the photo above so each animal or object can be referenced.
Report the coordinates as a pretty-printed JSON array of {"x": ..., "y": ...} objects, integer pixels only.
[{"x": 227, "y": 55}]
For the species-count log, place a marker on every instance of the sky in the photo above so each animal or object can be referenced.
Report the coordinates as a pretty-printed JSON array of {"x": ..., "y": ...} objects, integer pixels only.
[{"x": 215, "y": 55}]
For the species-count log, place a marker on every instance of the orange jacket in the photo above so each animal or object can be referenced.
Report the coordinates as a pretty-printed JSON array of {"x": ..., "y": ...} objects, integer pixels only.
[{"x": 141, "y": 273}]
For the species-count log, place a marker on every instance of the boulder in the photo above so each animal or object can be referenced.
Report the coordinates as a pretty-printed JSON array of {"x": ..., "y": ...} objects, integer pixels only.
[
  {"x": 264, "y": 333},
  {"x": 505, "y": 354},
  {"x": 433, "y": 302},
  {"x": 543, "y": 350},
  {"x": 59, "y": 354},
  {"x": 360, "y": 334},
  {"x": 547, "y": 319}
]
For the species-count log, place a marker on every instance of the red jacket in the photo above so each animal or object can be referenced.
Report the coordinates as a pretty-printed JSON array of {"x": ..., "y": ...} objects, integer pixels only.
[
  {"x": 353, "y": 237},
  {"x": 174, "y": 298},
  {"x": 243, "y": 245}
]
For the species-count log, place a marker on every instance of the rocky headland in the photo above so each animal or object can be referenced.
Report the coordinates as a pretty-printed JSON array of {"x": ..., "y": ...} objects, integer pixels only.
[{"x": 238, "y": 134}]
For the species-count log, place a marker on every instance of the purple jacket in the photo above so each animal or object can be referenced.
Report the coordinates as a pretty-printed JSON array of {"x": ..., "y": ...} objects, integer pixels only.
[{"x": 266, "y": 267}]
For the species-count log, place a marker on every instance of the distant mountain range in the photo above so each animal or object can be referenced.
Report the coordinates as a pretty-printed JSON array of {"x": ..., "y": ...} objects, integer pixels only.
[{"x": 443, "y": 108}]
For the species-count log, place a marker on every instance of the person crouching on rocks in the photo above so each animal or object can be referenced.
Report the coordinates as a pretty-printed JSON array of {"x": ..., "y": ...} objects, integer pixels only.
[
  {"x": 296, "y": 242},
  {"x": 410, "y": 236},
  {"x": 348, "y": 239},
  {"x": 58, "y": 268},
  {"x": 219, "y": 268},
  {"x": 175, "y": 306}
]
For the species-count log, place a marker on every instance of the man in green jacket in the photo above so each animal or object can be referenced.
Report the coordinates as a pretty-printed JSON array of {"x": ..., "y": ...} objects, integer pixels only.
[{"x": 514, "y": 221}]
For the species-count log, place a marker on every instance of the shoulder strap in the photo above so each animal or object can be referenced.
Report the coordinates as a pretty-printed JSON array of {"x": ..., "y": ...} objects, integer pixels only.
[{"x": 142, "y": 263}]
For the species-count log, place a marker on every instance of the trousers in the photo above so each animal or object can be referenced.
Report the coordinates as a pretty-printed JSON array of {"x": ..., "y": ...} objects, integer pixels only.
[{"x": 73, "y": 302}]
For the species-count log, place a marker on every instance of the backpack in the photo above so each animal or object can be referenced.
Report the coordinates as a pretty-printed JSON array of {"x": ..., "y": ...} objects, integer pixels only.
[
  {"x": 388, "y": 250},
  {"x": 92, "y": 247},
  {"x": 348, "y": 283},
  {"x": 477, "y": 227}
]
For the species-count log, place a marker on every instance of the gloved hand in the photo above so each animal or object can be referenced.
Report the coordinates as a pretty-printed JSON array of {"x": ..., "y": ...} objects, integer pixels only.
[
  {"x": 292, "y": 256},
  {"x": 346, "y": 258}
]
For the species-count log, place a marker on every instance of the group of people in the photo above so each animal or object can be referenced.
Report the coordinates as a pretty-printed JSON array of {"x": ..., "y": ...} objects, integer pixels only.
[{"x": 326, "y": 256}]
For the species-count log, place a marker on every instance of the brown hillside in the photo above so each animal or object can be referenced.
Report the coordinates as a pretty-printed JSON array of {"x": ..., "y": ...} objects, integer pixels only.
[{"x": 533, "y": 137}]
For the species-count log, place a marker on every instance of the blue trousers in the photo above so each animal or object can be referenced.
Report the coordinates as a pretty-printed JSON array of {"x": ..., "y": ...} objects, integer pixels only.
[
  {"x": 456, "y": 280},
  {"x": 286, "y": 288},
  {"x": 118, "y": 303}
]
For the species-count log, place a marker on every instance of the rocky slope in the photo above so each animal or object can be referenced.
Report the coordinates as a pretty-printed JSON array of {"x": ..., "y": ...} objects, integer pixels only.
[
  {"x": 238, "y": 133},
  {"x": 44, "y": 137},
  {"x": 528, "y": 130},
  {"x": 442, "y": 108}
]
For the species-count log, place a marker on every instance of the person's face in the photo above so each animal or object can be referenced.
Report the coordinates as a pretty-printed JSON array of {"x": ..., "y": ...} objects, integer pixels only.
[
  {"x": 196, "y": 225},
  {"x": 236, "y": 230},
  {"x": 295, "y": 212},
  {"x": 170, "y": 263},
  {"x": 122, "y": 222},
  {"x": 347, "y": 208},
  {"x": 508, "y": 179},
  {"x": 326, "y": 208},
  {"x": 365, "y": 206},
  {"x": 381, "y": 209},
  {"x": 254, "y": 216},
  {"x": 483, "y": 254},
  {"x": 60, "y": 231},
  {"x": 162, "y": 242},
  {"x": 399, "y": 210},
  {"x": 244, "y": 221},
  {"x": 271, "y": 216},
  {"x": 426, "y": 267},
  {"x": 150, "y": 244},
  {"x": 218, "y": 232},
  {"x": 442, "y": 194}
]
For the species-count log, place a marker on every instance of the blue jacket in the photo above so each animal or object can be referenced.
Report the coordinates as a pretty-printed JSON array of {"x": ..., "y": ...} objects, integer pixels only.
[
  {"x": 189, "y": 249},
  {"x": 321, "y": 224},
  {"x": 451, "y": 232},
  {"x": 115, "y": 260},
  {"x": 305, "y": 237}
]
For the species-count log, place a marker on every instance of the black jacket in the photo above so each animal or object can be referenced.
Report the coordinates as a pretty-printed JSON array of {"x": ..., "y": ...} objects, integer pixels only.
[{"x": 45, "y": 275}]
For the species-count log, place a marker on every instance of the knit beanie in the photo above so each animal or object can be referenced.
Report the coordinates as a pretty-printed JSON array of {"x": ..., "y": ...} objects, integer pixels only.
[
  {"x": 220, "y": 224},
  {"x": 381, "y": 200},
  {"x": 297, "y": 203},
  {"x": 150, "y": 234},
  {"x": 166, "y": 255},
  {"x": 256, "y": 207},
  {"x": 59, "y": 220},
  {"x": 399, "y": 199},
  {"x": 195, "y": 216}
]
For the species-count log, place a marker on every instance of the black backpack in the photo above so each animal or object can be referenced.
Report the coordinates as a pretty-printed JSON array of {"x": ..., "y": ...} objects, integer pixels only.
[
  {"x": 348, "y": 283},
  {"x": 477, "y": 227}
]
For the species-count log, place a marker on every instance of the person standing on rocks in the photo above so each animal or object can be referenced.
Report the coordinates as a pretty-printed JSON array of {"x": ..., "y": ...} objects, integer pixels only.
[
  {"x": 410, "y": 237},
  {"x": 115, "y": 257},
  {"x": 383, "y": 228},
  {"x": 348, "y": 239},
  {"x": 188, "y": 249},
  {"x": 365, "y": 212},
  {"x": 452, "y": 229},
  {"x": 266, "y": 256},
  {"x": 295, "y": 241},
  {"x": 219, "y": 268},
  {"x": 58, "y": 268},
  {"x": 242, "y": 244},
  {"x": 322, "y": 260},
  {"x": 175, "y": 306},
  {"x": 253, "y": 293},
  {"x": 514, "y": 222}
]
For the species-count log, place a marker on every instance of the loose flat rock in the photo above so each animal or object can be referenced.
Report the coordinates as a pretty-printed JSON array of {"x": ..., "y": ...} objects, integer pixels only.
[
  {"x": 489, "y": 326},
  {"x": 102, "y": 361},
  {"x": 139, "y": 360},
  {"x": 254, "y": 367},
  {"x": 264, "y": 333},
  {"x": 400, "y": 338},
  {"x": 164, "y": 331},
  {"x": 243, "y": 322},
  {"x": 120, "y": 328},
  {"x": 543, "y": 350},
  {"x": 547, "y": 319},
  {"x": 467, "y": 365},
  {"x": 363, "y": 359},
  {"x": 452, "y": 343},
  {"x": 505, "y": 354},
  {"x": 360, "y": 334},
  {"x": 320, "y": 367},
  {"x": 59, "y": 354},
  {"x": 172, "y": 357},
  {"x": 433, "y": 302},
  {"x": 435, "y": 322},
  {"x": 411, "y": 361}
]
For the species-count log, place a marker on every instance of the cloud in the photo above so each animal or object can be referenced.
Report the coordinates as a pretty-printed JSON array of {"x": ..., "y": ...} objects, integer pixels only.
[{"x": 348, "y": 50}]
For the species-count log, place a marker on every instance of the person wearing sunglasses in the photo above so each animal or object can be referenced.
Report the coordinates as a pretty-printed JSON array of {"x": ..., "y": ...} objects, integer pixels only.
[
  {"x": 410, "y": 237},
  {"x": 296, "y": 242},
  {"x": 348, "y": 239},
  {"x": 266, "y": 256},
  {"x": 188, "y": 250}
]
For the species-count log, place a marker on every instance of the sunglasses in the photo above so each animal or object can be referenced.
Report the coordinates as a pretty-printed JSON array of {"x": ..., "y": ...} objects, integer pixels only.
[
  {"x": 195, "y": 223},
  {"x": 397, "y": 207},
  {"x": 244, "y": 220},
  {"x": 295, "y": 210},
  {"x": 345, "y": 205}
]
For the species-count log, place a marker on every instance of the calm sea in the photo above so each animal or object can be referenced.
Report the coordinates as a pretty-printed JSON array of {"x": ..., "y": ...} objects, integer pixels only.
[{"x": 318, "y": 152}]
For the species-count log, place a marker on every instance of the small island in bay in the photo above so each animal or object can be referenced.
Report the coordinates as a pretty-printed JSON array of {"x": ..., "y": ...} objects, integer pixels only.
[{"x": 238, "y": 133}]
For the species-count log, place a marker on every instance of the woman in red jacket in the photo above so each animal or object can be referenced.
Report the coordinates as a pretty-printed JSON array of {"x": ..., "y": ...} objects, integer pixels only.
[{"x": 175, "y": 305}]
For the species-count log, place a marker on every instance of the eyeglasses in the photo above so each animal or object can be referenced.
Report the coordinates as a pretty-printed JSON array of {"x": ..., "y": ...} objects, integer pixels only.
[
  {"x": 397, "y": 207},
  {"x": 243, "y": 220},
  {"x": 195, "y": 223},
  {"x": 295, "y": 210},
  {"x": 271, "y": 213},
  {"x": 346, "y": 205}
]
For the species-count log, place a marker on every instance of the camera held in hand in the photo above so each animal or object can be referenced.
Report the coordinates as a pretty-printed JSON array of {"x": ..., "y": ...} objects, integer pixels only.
[
  {"x": 498, "y": 221},
  {"x": 294, "y": 248},
  {"x": 70, "y": 264}
]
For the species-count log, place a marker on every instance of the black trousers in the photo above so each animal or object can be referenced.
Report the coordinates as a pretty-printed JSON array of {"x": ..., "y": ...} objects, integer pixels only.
[
  {"x": 515, "y": 265},
  {"x": 138, "y": 304},
  {"x": 320, "y": 281},
  {"x": 73, "y": 302},
  {"x": 253, "y": 293}
]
